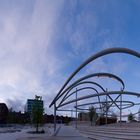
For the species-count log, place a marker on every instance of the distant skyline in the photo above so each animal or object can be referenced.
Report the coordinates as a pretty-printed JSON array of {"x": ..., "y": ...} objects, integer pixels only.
[{"x": 43, "y": 41}]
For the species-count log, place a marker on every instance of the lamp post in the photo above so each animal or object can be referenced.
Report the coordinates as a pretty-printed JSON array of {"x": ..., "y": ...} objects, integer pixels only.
[
  {"x": 121, "y": 107},
  {"x": 106, "y": 108},
  {"x": 76, "y": 110},
  {"x": 54, "y": 117}
]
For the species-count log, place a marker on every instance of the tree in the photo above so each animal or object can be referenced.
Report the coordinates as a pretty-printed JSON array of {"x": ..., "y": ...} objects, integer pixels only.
[
  {"x": 37, "y": 112},
  {"x": 105, "y": 107},
  {"x": 92, "y": 114},
  {"x": 131, "y": 117}
]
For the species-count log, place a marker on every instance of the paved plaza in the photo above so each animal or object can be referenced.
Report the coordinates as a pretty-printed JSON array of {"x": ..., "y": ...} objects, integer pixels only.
[
  {"x": 69, "y": 133},
  {"x": 63, "y": 133},
  {"x": 126, "y": 131}
]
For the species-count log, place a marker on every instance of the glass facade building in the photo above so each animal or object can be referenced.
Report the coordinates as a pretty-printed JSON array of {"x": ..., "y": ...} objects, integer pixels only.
[{"x": 31, "y": 102}]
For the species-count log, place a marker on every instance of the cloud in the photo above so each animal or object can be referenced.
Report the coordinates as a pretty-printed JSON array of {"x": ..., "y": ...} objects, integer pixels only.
[
  {"x": 43, "y": 42},
  {"x": 81, "y": 32},
  {"x": 84, "y": 33},
  {"x": 110, "y": 63},
  {"x": 25, "y": 56}
]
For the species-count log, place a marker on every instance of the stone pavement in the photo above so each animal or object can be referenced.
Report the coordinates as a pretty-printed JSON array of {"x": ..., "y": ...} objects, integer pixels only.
[
  {"x": 64, "y": 133},
  {"x": 68, "y": 133}
]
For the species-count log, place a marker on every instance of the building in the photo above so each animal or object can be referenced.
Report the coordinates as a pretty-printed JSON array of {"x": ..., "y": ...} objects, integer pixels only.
[
  {"x": 83, "y": 116},
  {"x": 59, "y": 119},
  {"x": 103, "y": 120},
  {"x": 18, "y": 117},
  {"x": 3, "y": 113},
  {"x": 33, "y": 102}
]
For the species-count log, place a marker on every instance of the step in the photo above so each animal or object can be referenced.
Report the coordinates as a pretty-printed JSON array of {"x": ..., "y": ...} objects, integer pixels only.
[
  {"x": 97, "y": 137},
  {"x": 124, "y": 137},
  {"x": 118, "y": 131},
  {"x": 113, "y": 133}
]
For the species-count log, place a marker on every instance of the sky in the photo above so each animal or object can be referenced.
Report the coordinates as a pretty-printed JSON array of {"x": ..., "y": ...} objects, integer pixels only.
[{"x": 43, "y": 41}]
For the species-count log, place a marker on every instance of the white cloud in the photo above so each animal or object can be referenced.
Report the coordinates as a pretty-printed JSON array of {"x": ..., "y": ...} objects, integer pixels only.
[
  {"x": 112, "y": 64},
  {"x": 28, "y": 64},
  {"x": 82, "y": 31},
  {"x": 25, "y": 56}
]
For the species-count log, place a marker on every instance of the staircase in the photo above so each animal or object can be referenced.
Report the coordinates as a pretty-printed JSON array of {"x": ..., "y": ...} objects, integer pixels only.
[{"x": 127, "y": 131}]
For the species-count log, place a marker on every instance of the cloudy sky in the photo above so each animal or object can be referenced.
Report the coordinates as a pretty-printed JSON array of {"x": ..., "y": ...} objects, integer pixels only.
[{"x": 43, "y": 41}]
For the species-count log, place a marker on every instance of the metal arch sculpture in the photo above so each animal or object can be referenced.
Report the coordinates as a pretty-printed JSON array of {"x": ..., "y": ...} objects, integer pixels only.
[
  {"x": 76, "y": 83},
  {"x": 93, "y": 75},
  {"x": 80, "y": 83},
  {"x": 92, "y": 58},
  {"x": 128, "y": 105},
  {"x": 85, "y": 82},
  {"x": 84, "y": 88},
  {"x": 77, "y": 91},
  {"x": 84, "y": 78},
  {"x": 103, "y": 74},
  {"x": 102, "y": 94},
  {"x": 111, "y": 93}
]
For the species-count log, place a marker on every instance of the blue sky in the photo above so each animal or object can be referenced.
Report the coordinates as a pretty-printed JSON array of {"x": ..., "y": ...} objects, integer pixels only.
[{"x": 44, "y": 41}]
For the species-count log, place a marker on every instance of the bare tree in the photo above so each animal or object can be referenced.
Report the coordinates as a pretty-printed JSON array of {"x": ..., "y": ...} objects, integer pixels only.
[
  {"x": 92, "y": 114},
  {"x": 105, "y": 107},
  {"x": 131, "y": 117},
  {"x": 37, "y": 113}
]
